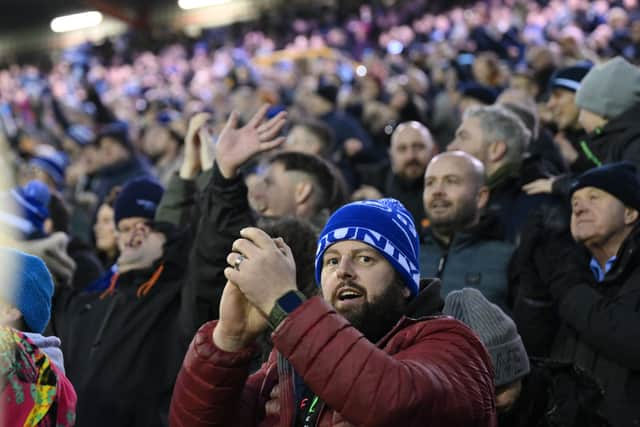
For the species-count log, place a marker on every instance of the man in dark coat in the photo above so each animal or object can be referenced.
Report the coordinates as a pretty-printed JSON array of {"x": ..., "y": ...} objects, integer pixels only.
[
  {"x": 402, "y": 177},
  {"x": 462, "y": 246},
  {"x": 593, "y": 292},
  {"x": 118, "y": 352},
  {"x": 570, "y": 134},
  {"x": 609, "y": 101},
  {"x": 290, "y": 184},
  {"x": 347, "y": 358},
  {"x": 119, "y": 161},
  {"x": 562, "y": 105},
  {"x": 498, "y": 138}
]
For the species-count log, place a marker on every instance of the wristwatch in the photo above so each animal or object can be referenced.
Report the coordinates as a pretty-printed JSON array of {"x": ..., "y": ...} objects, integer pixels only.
[{"x": 283, "y": 306}]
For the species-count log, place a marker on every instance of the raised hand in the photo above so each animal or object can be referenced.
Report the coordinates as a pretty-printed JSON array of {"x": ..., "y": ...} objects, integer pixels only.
[
  {"x": 266, "y": 271},
  {"x": 207, "y": 152},
  {"x": 236, "y": 146},
  {"x": 539, "y": 186},
  {"x": 191, "y": 164}
]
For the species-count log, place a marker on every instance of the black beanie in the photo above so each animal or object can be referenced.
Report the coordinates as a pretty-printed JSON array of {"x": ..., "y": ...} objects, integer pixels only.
[
  {"x": 140, "y": 197},
  {"x": 618, "y": 179},
  {"x": 570, "y": 78},
  {"x": 118, "y": 131},
  {"x": 480, "y": 93}
]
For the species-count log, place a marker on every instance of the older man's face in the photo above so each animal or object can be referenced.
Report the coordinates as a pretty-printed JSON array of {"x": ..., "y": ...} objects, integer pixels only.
[
  {"x": 597, "y": 217},
  {"x": 470, "y": 139}
]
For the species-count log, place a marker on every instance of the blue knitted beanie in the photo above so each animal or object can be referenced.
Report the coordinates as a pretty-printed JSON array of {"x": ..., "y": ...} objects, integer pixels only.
[
  {"x": 25, "y": 209},
  {"x": 30, "y": 290},
  {"x": 384, "y": 224},
  {"x": 54, "y": 164}
]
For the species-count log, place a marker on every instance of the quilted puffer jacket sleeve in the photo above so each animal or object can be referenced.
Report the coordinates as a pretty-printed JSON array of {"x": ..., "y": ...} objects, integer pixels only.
[
  {"x": 212, "y": 388},
  {"x": 434, "y": 372}
]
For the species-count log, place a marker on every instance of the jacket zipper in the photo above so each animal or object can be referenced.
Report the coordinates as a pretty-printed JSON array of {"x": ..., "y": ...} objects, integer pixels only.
[
  {"x": 322, "y": 405},
  {"x": 103, "y": 326}
]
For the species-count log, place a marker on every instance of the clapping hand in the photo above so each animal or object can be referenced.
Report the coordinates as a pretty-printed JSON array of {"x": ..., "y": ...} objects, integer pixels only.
[{"x": 263, "y": 269}]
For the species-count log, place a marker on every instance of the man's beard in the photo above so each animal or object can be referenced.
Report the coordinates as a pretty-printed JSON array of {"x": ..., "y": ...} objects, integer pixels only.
[
  {"x": 417, "y": 170},
  {"x": 376, "y": 318},
  {"x": 456, "y": 220}
]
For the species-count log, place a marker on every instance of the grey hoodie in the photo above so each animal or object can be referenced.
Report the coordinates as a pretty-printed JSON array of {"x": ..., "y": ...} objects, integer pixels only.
[{"x": 50, "y": 346}]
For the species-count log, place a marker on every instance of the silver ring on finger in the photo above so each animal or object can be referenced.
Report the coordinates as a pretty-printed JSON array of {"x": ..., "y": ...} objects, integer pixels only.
[{"x": 236, "y": 263}]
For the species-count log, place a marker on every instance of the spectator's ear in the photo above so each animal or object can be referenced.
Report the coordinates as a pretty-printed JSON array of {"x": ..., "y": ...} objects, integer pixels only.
[
  {"x": 482, "y": 199},
  {"x": 303, "y": 191},
  {"x": 630, "y": 216},
  {"x": 497, "y": 151}
]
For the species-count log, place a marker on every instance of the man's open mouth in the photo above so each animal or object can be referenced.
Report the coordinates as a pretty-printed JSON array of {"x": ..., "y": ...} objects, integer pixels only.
[
  {"x": 348, "y": 294},
  {"x": 440, "y": 204}
]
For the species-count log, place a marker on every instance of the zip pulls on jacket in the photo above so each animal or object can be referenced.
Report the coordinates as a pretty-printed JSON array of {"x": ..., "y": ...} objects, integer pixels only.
[
  {"x": 587, "y": 152},
  {"x": 312, "y": 413},
  {"x": 441, "y": 265},
  {"x": 143, "y": 289}
]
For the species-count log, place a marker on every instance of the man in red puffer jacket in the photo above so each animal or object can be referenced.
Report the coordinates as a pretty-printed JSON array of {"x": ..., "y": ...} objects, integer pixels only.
[{"x": 350, "y": 357}]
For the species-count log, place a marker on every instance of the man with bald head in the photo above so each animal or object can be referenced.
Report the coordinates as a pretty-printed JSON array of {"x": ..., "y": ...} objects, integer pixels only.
[
  {"x": 462, "y": 245},
  {"x": 411, "y": 149}
]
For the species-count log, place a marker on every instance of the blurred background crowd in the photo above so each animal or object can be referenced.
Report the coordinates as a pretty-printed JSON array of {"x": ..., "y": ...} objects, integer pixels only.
[{"x": 376, "y": 90}]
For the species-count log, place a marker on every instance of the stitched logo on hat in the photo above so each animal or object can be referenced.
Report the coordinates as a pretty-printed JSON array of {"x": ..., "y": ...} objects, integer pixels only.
[{"x": 146, "y": 204}]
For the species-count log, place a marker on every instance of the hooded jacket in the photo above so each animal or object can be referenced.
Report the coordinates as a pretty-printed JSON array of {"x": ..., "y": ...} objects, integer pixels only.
[{"x": 426, "y": 370}]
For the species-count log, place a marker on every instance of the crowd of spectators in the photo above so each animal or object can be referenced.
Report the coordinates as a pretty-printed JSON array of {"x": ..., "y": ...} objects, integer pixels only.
[{"x": 508, "y": 130}]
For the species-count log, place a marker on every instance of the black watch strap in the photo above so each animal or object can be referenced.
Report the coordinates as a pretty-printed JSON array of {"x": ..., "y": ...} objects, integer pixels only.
[{"x": 283, "y": 306}]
